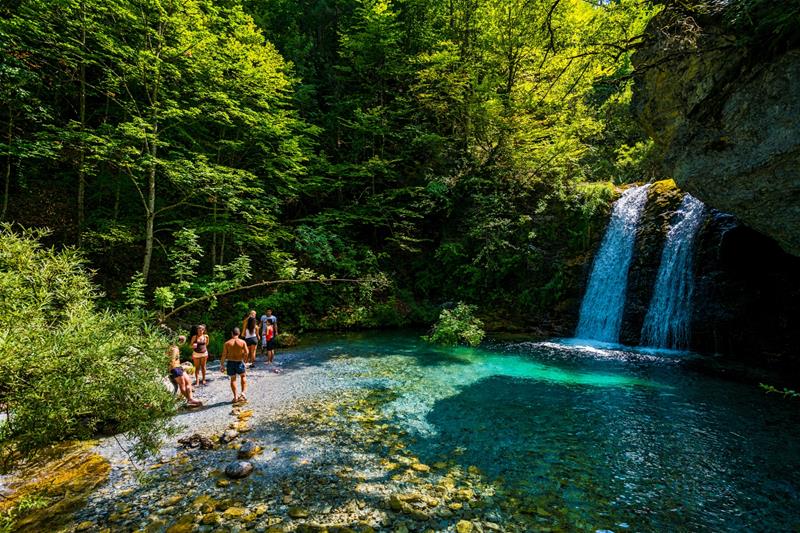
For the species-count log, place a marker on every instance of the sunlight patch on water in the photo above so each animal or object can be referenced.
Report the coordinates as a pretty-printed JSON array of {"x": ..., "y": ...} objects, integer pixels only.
[{"x": 409, "y": 373}]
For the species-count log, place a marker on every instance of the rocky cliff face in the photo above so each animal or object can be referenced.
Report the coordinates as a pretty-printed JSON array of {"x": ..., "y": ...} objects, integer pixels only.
[{"x": 727, "y": 117}]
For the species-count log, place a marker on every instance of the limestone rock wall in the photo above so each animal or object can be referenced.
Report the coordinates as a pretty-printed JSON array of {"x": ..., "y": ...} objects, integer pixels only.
[{"x": 727, "y": 119}]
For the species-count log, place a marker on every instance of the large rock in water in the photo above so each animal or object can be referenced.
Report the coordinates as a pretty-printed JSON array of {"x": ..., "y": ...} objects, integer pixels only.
[
  {"x": 239, "y": 469},
  {"x": 727, "y": 118}
]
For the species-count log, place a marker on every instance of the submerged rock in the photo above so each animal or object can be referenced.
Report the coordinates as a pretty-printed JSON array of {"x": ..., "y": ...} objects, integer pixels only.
[
  {"x": 464, "y": 526},
  {"x": 248, "y": 450},
  {"x": 239, "y": 469},
  {"x": 196, "y": 440},
  {"x": 298, "y": 512}
]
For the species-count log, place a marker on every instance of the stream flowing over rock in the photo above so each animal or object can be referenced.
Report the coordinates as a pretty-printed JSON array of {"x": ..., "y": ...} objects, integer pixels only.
[{"x": 726, "y": 116}]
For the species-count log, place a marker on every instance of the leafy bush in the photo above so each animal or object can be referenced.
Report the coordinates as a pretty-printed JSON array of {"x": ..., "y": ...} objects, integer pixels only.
[
  {"x": 71, "y": 370},
  {"x": 457, "y": 326}
]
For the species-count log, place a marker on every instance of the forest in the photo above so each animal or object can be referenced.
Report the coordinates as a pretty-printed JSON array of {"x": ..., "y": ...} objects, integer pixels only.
[{"x": 451, "y": 150}]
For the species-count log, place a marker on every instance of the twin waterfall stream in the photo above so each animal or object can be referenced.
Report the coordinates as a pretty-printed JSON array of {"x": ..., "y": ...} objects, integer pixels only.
[{"x": 668, "y": 320}]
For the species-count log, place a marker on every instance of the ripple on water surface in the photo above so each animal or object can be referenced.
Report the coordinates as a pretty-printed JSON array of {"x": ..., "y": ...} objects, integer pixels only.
[{"x": 615, "y": 435}]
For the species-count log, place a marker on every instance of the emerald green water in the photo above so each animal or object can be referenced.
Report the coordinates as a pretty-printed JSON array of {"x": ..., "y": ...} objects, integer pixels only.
[{"x": 608, "y": 439}]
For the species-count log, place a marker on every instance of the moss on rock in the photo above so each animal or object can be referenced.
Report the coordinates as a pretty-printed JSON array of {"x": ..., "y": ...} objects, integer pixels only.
[{"x": 61, "y": 479}]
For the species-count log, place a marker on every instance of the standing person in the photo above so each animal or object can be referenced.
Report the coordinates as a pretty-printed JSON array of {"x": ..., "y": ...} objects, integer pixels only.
[
  {"x": 269, "y": 335},
  {"x": 251, "y": 338},
  {"x": 199, "y": 344},
  {"x": 268, "y": 316},
  {"x": 234, "y": 353},
  {"x": 263, "y": 328},
  {"x": 179, "y": 378},
  {"x": 252, "y": 313}
]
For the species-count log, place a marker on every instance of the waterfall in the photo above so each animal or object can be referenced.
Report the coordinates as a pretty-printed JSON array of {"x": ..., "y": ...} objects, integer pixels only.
[
  {"x": 668, "y": 319},
  {"x": 604, "y": 301}
]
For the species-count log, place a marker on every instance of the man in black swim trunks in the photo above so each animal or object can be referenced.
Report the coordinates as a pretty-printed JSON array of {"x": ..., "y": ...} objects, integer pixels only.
[{"x": 234, "y": 354}]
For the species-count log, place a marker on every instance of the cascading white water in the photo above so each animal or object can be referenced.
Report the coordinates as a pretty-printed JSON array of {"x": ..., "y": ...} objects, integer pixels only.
[
  {"x": 668, "y": 318},
  {"x": 604, "y": 301}
]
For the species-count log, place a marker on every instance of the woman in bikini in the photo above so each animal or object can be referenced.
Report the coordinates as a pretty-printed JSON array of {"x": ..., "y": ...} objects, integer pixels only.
[
  {"x": 199, "y": 344},
  {"x": 251, "y": 338},
  {"x": 179, "y": 377}
]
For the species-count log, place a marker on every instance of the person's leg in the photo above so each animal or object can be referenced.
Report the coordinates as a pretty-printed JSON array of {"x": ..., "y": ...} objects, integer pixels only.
[
  {"x": 233, "y": 387},
  {"x": 203, "y": 362},
  {"x": 196, "y": 363},
  {"x": 244, "y": 385},
  {"x": 186, "y": 389}
]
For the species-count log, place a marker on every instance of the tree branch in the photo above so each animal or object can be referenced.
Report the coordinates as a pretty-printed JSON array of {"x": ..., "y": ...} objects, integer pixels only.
[{"x": 256, "y": 285}]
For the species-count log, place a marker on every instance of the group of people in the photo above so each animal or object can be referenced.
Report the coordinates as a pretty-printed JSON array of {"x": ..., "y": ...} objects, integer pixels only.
[{"x": 237, "y": 353}]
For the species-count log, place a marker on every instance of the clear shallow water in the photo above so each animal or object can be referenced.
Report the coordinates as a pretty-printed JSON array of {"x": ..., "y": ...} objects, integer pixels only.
[{"x": 617, "y": 439}]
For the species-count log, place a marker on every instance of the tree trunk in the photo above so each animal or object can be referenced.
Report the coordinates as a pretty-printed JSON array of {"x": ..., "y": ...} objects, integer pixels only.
[
  {"x": 152, "y": 149},
  {"x": 150, "y": 210},
  {"x": 82, "y": 158},
  {"x": 7, "y": 187},
  {"x": 214, "y": 237}
]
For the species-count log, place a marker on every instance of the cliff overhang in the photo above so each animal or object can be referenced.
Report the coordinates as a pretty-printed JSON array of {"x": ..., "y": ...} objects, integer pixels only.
[{"x": 724, "y": 110}]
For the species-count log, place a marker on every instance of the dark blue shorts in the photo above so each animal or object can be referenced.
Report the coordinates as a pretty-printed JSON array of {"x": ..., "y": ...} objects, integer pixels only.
[
  {"x": 270, "y": 344},
  {"x": 234, "y": 367},
  {"x": 175, "y": 373}
]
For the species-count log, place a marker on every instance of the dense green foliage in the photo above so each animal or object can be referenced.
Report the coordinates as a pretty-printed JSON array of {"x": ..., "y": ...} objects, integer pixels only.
[
  {"x": 457, "y": 326},
  {"x": 448, "y": 147},
  {"x": 69, "y": 369}
]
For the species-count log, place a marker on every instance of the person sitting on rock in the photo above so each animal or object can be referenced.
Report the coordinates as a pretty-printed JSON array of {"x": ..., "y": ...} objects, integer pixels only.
[
  {"x": 179, "y": 378},
  {"x": 234, "y": 354}
]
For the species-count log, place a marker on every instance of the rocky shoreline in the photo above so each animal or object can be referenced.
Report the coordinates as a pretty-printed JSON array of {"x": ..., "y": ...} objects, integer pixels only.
[{"x": 324, "y": 458}]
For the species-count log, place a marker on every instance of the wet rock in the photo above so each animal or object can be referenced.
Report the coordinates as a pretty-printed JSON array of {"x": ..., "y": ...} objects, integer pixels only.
[
  {"x": 211, "y": 519},
  {"x": 234, "y": 512},
  {"x": 156, "y": 526},
  {"x": 465, "y": 494},
  {"x": 229, "y": 435},
  {"x": 172, "y": 500},
  {"x": 205, "y": 504},
  {"x": 248, "y": 450},
  {"x": 419, "y": 467},
  {"x": 464, "y": 526},
  {"x": 395, "y": 503},
  {"x": 195, "y": 441},
  {"x": 417, "y": 514},
  {"x": 298, "y": 512},
  {"x": 239, "y": 469}
]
